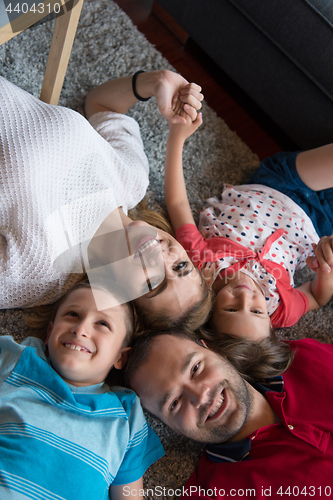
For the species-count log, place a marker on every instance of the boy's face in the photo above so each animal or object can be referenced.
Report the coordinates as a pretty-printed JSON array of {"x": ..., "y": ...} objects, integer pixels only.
[{"x": 85, "y": 343}]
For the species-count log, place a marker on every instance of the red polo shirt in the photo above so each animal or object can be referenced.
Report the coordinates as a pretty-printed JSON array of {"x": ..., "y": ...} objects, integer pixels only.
[{"x": 287, "y": 460}]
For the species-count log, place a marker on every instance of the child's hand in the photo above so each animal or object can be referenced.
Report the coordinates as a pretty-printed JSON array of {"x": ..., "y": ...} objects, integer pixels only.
[
  {"x": 182, "y": 131},
  {"x": 191, "y": 121},
  {"x": 320, "y": 290},
  {"x": 186, "y": 103},
  {"x": 323, "y": 258}
]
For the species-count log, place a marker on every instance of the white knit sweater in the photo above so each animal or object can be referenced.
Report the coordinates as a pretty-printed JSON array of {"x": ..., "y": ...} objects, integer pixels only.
[{"x": 59, "y": 177}]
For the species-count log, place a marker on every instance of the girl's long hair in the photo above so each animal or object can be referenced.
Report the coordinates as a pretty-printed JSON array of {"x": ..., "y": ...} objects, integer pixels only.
[
  {"x": 255, "y": 360},
  {"x": 157, "y": 217}
]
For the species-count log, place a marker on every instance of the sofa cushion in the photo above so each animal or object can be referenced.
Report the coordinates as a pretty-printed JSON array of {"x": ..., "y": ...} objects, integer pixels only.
[
  {"x": 324, "y": 8},
  {"x": 301, "y": 29}
]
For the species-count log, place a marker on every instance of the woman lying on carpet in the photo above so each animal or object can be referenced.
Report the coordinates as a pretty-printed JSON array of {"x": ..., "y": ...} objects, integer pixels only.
[
  {"x": 66, "y": 186},
  {"x": 249, "y": 245},
  {"x": 64, "y": 432}
]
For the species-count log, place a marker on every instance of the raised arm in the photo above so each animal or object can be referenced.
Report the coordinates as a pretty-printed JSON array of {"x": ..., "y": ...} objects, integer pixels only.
[
  {"x": 117, "y": 95},
  {"x": 320, "y": 290},
  {"x": 176, "y": 199}
]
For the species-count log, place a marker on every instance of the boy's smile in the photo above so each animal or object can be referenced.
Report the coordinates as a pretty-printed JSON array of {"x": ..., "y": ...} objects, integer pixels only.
[
  {"x": 76, "y": 347},
  {"x": 84, "y": 343}
]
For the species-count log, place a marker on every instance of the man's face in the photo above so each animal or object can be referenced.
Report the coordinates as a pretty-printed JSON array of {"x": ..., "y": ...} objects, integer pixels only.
[{"x": 193, "y": 390}]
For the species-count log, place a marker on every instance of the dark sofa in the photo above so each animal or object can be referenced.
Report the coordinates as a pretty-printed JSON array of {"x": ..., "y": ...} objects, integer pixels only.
[{"x": 280, "y": 52}]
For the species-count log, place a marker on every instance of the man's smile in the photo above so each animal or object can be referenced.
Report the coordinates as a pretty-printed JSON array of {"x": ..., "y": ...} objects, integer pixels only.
[{"x": 218, "y": 406}]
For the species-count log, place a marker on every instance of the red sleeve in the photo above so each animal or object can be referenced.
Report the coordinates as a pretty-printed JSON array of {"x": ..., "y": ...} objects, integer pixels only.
[
  {"x": 201, "y": 249},
  {"x": 293, "y": 304},
  {"x": 193, "y": 242}
]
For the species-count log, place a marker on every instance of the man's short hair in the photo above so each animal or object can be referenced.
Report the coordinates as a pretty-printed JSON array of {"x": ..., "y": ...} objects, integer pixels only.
[{"x": 142, "y": 346}]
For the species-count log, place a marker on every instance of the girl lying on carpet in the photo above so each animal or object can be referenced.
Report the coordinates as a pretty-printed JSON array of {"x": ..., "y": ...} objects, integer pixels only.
[
  {"x": 249, "y": 245},
  {"x": 64, "y": 432}
]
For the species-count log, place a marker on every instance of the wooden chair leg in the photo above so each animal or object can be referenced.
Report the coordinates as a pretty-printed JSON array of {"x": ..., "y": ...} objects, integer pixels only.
[{"x": 60, "y": 50}]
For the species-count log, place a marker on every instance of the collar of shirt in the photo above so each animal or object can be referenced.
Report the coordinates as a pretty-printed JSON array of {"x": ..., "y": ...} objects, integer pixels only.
[{"x": 240, "y": 450}]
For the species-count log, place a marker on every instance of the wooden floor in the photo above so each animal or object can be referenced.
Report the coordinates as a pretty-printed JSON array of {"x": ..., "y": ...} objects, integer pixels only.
[{"x": 240, "y": 113}]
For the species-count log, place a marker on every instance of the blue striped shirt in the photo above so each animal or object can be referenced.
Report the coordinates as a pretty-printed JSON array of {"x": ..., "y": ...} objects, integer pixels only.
[{"x": 58, "y": 441}]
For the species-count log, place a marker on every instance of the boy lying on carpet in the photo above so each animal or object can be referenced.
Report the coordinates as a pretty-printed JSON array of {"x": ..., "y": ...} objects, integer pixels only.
[
  {"x": 249, "y": 245},
  {"x": 63, "y": 432}
]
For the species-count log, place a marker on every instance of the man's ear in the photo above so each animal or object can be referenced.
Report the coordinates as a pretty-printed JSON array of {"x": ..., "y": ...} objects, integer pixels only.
[
  {"x": 49, "y": 331},
  {"x": 122, "y": 359}
]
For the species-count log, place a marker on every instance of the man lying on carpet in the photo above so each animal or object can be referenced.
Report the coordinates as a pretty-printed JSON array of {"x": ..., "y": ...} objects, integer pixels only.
[{"x": 266, "y": 442}]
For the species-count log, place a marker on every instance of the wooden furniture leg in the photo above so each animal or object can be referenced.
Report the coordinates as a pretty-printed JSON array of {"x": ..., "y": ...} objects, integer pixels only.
[{"x": 60, "y": 50}]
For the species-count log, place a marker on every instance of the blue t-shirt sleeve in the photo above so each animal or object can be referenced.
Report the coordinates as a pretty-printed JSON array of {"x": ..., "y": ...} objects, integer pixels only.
[
  {"x": 10, "y": 352},
  {"x": 143, "y": 449}
]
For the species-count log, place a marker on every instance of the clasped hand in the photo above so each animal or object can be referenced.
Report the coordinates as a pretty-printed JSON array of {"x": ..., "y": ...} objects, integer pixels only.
[
  {"x": 177, "y": 98},
  {"x": 323, "y": 257}
]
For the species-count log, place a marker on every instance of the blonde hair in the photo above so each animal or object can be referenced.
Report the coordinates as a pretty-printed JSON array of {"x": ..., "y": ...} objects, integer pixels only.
[
  {"x": 157, "y": 217},
  {"x": 189, "y": 321}
]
